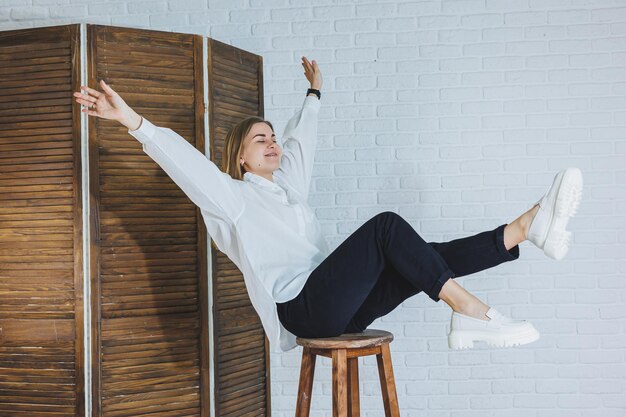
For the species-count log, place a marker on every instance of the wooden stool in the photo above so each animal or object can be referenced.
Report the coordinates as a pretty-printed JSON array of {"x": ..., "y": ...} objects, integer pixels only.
[{"x": 344, "y": 351}]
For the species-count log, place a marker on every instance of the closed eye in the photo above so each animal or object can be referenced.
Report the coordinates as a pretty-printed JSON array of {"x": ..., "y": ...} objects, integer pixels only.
[{"x": 263, "y": 136}]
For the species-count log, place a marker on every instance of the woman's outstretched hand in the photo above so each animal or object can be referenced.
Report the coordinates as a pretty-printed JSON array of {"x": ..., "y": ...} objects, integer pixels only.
[
  {"x": 107, "y": 105},
  {"x": 313, "y": 73}
]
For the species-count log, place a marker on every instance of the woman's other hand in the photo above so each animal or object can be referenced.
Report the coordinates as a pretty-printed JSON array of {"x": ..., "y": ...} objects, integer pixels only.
[
  {"x": 313, "y": 73},
  {"x": 107, "y": 105}
]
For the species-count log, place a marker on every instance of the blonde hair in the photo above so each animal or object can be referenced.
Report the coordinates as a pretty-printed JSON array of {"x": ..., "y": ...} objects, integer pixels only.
[{"x": 233, "y": 146}]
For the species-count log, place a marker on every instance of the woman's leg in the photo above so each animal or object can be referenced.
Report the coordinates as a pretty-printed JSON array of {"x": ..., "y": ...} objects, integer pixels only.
[
  {"x": 388, "y": 293},
  {"x": 339, "y": 286},
  {"x": 459, "y": 299},
  {"x": 380, "y": 265},
  {"x": 465, "y": 256},
  {"x": 485, "y": 250}
]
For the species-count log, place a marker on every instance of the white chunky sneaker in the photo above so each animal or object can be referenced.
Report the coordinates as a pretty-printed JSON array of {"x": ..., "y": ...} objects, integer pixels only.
[
  {"x": 499, "y": 331},
  {"x": 547, "y": 229}
]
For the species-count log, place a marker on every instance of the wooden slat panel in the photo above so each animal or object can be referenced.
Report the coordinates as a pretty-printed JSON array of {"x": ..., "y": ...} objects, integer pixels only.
[
  {"x": 41, "y": 315},
  {"x": 241, "y": 348},
  {"x": 150, "y": 290}
]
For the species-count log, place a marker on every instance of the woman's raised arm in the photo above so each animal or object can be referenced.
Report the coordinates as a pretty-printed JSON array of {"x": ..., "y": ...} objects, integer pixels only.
[
  {"x": 300, "y": 135},
  {"x": 211, "y": 189}
]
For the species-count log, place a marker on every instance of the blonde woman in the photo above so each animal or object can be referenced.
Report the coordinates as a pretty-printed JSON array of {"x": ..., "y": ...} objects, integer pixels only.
[{"x": 255, "y": 209}]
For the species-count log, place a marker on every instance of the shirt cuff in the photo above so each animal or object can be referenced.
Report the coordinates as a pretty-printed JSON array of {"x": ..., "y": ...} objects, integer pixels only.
[{"x": 145, "y": 131}]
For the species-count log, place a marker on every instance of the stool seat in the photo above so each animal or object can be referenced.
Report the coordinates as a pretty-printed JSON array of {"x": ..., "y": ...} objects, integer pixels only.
[
  {"x": 367, "y": 338},
  {"x": 345, "y": 350}
]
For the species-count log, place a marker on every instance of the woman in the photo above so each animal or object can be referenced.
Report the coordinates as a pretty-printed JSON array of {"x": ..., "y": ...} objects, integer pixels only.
[{"x": 256, "y": 211}]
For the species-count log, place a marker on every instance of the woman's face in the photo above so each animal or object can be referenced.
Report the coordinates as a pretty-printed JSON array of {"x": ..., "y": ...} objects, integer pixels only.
[{"x": 261, "y": 153}]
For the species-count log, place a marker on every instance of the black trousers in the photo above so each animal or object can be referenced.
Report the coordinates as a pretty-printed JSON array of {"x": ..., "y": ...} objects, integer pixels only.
[{"x": 381, "y": 264}]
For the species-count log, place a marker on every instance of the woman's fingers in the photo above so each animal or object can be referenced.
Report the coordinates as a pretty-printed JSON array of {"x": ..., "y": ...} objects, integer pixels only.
[
  {"x": 89, "y": 112},
  {"x": 84, "y": 97},
  {"x": 95, "y": 93},
  {"x": 310, "y": 67},
  {"x": 86, "y": 103},
  {"x": 307, "y": 64},
  {"x": 312, "y": 71},
  {"x": 106, "y": 88}
]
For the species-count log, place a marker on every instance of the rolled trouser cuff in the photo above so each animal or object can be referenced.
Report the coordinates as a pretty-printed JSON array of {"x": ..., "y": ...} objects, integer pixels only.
[
  {"x": 507, "y": 254},
  {"x": 434, "y": 291}
]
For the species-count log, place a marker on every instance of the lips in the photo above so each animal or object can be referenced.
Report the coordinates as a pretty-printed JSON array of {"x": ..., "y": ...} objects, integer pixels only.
[{"x": 272, "y": 154}]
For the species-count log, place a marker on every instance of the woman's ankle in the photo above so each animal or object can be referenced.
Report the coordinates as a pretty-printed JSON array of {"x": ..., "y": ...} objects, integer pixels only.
[
  {"x": 526, "y": 219},
  {"x": 462, "y": 301},
  {"x": 516, "y": 232},
  {"x": 476, "y": 310}
]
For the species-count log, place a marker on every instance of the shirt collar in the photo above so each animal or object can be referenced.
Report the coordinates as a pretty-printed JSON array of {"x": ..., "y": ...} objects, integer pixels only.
[
  {"x": 278, "y": 186},
  {"x": 262, "y": 181}
]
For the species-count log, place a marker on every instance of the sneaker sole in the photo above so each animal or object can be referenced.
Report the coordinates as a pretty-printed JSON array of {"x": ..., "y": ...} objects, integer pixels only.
[
  {"x": 567, "y": 200},
  {"x": 464, "y": 339}
]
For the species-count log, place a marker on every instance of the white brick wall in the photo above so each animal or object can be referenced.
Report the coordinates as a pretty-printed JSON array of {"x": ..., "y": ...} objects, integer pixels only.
[{"x": 456, "y": 115}]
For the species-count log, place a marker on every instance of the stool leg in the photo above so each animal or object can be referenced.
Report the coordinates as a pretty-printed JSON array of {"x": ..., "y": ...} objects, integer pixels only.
[
  {"x": 340, "y": 382},
  {"x": 305, "y": 386},
  {"x": 387, "y": 382},
  {"x": 354, "y": 408}
]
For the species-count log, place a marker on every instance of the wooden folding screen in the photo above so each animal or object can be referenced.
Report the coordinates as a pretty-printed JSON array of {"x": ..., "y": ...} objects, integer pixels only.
[
  {"x": 149, "y": 293},
  {"x": 242, "y": 353},
  {"x": 41, "y": 256},
  {"x": 149, "y": 307}
]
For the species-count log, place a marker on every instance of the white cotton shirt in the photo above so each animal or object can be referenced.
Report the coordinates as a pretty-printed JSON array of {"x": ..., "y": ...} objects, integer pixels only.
[{"x": 266, "y": 228}]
